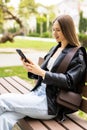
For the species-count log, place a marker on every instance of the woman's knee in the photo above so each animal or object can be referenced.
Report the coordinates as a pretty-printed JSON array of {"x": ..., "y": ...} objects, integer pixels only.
[
  {"x": 5, "y": 123},
  {"x": 6, "y": 118}
]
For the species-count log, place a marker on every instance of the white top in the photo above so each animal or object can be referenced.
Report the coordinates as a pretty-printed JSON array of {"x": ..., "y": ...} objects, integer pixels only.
[{"x": 50, "y": 63}]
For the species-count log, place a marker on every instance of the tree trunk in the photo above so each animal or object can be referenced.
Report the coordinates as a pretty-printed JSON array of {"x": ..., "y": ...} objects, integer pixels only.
[{"x": 10, "y": 36}]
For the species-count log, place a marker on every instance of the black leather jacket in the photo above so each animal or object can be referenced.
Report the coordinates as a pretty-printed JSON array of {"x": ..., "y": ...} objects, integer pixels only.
[{"x": 72, "y": 79}]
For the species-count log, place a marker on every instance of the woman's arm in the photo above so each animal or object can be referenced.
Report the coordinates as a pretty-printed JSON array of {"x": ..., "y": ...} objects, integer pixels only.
[
  {"x": 36, "y": 70},
  {"x": 33, "y": 69}
]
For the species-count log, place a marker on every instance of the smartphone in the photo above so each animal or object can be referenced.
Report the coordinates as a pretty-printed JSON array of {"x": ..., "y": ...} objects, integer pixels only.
[{"x": 22, "y": 55}]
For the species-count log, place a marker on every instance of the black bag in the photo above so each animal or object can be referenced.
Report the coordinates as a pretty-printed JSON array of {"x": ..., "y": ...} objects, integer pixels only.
[{"x": 68, "y": 99}]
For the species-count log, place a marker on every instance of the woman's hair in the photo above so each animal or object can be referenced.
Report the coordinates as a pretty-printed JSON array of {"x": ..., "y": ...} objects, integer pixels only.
[{"x": 68, "y": 29}]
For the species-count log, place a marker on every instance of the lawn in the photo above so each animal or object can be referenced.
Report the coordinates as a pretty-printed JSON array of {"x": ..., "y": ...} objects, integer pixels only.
[
  {"x": 15, "y": 71},
  {"x": 33, "y": 44}
]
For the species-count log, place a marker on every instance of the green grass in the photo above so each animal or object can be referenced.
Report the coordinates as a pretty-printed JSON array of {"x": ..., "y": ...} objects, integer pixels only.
[
  {"x": 33, "y": 44},
  {"x": 15, "y": 71}
]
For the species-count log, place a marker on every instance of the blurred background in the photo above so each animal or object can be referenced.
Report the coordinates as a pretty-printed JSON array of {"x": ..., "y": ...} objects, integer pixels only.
[{"x": 33, "y": 18}]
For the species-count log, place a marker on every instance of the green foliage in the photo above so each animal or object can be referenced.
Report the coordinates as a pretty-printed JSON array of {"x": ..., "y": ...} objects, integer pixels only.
[
  {"x": 27, "y": 7},
  {"x": 82, "y": 23},
  {"x": 12, "y": 30},
  {"x": 82, "y": 114},
  {"x": 38, "y": 28},
  {"x": 27, "y": 3},
  {"x": 42, "y": 26},
  {"x": 0, "y": 1},
  {"x": 41, "y": 18},
  {"x": 34, "y": 34},
  {"x": 1, "y": 14},
  {"x": 1, "y": 17},
  {"x": 4, "y": 1},
  {"x": 46, "y": 34},
  {"x": 83, "y": 39},
  {"x": 1, "y": 29},
  {"x": 7, "y": 1}
]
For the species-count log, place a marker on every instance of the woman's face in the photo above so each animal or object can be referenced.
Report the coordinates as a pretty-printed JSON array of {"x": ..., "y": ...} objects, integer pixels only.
[{"x": 57, "y": 32}]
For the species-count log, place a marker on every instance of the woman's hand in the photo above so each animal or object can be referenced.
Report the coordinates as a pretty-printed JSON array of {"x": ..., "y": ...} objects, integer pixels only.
[{"x": 34, "y": 68}]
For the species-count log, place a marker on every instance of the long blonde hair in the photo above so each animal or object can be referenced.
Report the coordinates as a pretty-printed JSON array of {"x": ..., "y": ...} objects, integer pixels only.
[{"x": 68, "y": 29}]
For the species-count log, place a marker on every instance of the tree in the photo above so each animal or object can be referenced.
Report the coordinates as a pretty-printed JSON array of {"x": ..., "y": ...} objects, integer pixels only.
[
  {"x": 27, "y": 7},
  {"x": 6, "y": 14},
  {"x": 44, "y": 19},
  {"x": 9, "y": 36}
]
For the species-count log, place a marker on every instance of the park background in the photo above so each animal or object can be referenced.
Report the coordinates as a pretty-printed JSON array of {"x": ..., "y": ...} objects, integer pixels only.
[{"x": 27, "y": 24}]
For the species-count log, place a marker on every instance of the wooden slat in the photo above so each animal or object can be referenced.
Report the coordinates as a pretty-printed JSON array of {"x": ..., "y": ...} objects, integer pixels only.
[
  {"x": 37, "y": 125},
  {"x": 70, "y": 125},
  {"x": 2, "y": 90},
  {"x": 24, "y": 125},
  {"x": 31, "y": 125},
  {"x": 40, "y": 61},
  {"x": 16, "y": 85},
  {"x": 24, "y": 83},
  {"x": 8, "y": 86},
  {"x": 53, "y": 125},
  {"x": 81, "y": 122}
]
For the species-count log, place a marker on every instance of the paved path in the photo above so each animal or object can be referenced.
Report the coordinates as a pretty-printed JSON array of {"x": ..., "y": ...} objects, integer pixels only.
[{"x": 13, "y": 59}]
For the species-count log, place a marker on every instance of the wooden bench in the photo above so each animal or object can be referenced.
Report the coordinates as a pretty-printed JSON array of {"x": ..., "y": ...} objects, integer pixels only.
[{"x": 73, "y": 122}]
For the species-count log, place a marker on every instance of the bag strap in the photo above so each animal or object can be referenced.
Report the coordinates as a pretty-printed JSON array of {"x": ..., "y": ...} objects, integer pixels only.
[{"x": 65, "y": 62}]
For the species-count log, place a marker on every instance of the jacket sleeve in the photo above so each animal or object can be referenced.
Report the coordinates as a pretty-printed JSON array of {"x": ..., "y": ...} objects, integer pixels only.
[
  {"x": 32, "y": 76},
  {"x": 72, "y": 77}
]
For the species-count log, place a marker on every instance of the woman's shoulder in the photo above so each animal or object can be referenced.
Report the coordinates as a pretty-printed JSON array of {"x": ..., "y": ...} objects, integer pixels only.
[
  {"x": 82, "y": 51},
  {"x": 81, "y": 55}
]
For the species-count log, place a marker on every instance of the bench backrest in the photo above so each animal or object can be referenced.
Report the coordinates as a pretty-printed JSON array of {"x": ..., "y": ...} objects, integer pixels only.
[{"x": 83, "y": 106}]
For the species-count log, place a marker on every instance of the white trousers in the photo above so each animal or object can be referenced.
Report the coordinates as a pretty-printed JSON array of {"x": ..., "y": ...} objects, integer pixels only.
[{"x": 16, "y": 106}]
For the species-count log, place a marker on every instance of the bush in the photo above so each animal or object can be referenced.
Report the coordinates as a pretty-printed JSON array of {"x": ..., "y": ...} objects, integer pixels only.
[
  {"x": 82, "y": 23},
  {"x": 83, "y": 39},
  {"x": 34, "y": 34},
  {"x": 12, "y": 30},
  {"x": 46, "y": 35}
]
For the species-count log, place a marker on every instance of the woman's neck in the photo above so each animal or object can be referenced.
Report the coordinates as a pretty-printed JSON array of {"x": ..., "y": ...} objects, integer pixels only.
[{"x": 64, "y": 44}]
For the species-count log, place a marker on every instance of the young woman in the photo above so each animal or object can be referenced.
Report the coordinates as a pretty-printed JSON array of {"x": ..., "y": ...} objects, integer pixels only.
[{"x": 40, "y": 103}]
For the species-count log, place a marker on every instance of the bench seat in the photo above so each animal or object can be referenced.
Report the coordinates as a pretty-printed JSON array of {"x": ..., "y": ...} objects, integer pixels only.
[{"x": 15, "y": 84}]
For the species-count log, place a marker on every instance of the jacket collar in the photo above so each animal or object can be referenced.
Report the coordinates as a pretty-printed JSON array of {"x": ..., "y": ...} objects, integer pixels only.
[{"x": 61, "y": 56}]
